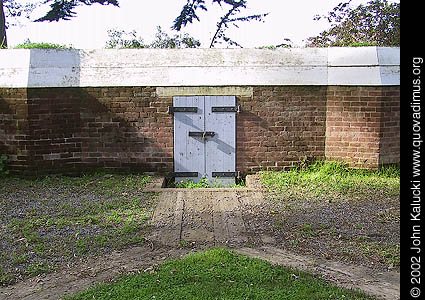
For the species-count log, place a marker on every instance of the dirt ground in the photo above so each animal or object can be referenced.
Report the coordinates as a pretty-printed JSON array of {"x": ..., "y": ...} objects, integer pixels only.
[{"x": 347, "y": 243}]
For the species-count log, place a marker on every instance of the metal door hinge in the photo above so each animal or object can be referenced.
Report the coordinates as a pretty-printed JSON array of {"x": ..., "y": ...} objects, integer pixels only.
[
  {"x": 236, "y": 109},
  {"x": 223, "y": 174},
  {"x": 173, "y": 109},
  {"x": 183, "y": 174}
]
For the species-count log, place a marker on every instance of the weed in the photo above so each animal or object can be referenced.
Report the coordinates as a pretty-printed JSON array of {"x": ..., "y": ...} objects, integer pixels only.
[
  {"x": 18, "y": 259},
  {"x": 82, "y": 246},
  {"x": 184, "y": 244},
  {"x": 190, "y": 184},
  {"x": 37, "y": 268},
  {"x": 308, "y": 230},
  {"x": 390, "y": 255}
]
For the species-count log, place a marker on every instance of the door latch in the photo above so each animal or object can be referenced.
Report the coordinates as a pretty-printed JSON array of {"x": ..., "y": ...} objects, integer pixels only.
[{"x": 202, "y": 134}]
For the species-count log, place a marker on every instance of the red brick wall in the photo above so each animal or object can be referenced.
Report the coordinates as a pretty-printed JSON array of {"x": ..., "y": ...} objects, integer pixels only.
[
  {"x": 128, "y": 128},
  {"x": 280, "y": 126},
  {"x": 389, "y": 146},
  {"x": 54, "y": 120},
  {"x": 14, "y": 128},
  {"x": 363, "y": 125}
]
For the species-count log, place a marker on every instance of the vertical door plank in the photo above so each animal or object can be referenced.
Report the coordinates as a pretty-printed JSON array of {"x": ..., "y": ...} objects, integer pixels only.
[
  {"x": 220, "y": 151},
  {"x": 189, "y": 152}
]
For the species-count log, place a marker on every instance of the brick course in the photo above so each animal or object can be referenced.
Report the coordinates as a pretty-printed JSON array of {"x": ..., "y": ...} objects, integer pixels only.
[{"x": 65, "y": 130}]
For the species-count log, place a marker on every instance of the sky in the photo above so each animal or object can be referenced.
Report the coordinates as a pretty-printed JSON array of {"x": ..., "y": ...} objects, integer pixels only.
[{"x": 88, "y": 30}]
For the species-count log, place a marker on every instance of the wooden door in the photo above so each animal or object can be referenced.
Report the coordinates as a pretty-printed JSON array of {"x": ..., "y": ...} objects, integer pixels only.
[{"x": 205, "y": 138}]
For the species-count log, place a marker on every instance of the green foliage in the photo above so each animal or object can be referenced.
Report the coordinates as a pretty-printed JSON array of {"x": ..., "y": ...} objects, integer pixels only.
[
  {"x": 123, "y": 39},
  {"x": 188, "y": 14},
  {"x": 30, "y": 45},
  {"x": 163, "y": 40},
  {"x": 219, "y": 274},
  {"x": 323, "y": 180},
  {"x": 64, "y": 10},
  {"x": 377, "y": 23},
  {"x": 286, "y": 44},
  {"x": 189, "y": 184},
  {"x": 3, "y": 165}
]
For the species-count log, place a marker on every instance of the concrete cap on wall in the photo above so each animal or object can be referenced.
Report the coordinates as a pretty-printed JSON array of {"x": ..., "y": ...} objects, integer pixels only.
[{"x": 374, "y": 66}]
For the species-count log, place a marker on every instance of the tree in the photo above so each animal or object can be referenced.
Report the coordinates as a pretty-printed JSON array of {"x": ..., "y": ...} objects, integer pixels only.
[
  {"x": 3, "y": 40},
  {"x": 189, "y": 13},
  {"x": 376, "y": 23},
  {"x": 123, "y": 39},
  {"x": 59, "y": 10}
]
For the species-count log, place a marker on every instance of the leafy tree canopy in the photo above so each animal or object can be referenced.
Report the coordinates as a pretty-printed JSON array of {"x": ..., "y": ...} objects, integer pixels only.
[
  {"x": 59, "y": 10},
  {"x": 189, "y": 13},
  {"x": 64, "y": 9},
  {"x": 123, "y": 39},
  {"x": 376, "y": 23}
]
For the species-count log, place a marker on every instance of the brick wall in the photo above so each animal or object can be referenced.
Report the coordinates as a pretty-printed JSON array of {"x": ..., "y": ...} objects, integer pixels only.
[
  {"x": 280, "y": 126},
  {"x": 14, "y": 127},
  {"x": 363, "y": 125},
  {"x": 389, "y": 146},
  {"x": 128, "y": 128}
]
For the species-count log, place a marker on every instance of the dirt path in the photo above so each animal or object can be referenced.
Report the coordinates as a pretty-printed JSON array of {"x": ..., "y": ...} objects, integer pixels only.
[{"x": 187, "y": 221}]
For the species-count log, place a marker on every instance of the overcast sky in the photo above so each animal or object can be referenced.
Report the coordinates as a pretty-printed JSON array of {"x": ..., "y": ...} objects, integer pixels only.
[{"x": 287, "y": 19}]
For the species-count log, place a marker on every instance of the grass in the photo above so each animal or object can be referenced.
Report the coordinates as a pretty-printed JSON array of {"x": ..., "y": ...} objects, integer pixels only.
[
  {"x": 332, "y": 180},
  {"x": 57, "y": 220},
  {"x": 354, "y": 208},
  {"x": 219, "y": 274},
  {"x": 203, "y": 183}
]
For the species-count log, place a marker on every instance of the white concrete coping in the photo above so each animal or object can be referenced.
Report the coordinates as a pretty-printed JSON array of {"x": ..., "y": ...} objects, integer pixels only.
[{"x": 374, "y": 66}]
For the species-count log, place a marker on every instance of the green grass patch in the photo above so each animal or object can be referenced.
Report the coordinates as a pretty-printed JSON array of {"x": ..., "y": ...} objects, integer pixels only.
[
  {"x": 219, "y": 274},
  {"x": 332, "y": 180},
  {"x": 56, "y": 219}
]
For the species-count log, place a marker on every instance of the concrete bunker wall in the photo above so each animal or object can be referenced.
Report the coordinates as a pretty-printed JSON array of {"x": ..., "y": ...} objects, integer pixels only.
[{"x": 87, "y": 112}]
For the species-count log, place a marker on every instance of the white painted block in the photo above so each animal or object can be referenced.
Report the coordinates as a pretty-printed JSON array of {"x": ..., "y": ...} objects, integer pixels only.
[
  {"x": 14, "y": 67},
  {"x": 352, "y": 56},
  {"x": 53, "y": 58},
  {"x": 354, "y": 75},
  {"x": 54, "y": 77},
  {"x": 390, "y": 75},
  {"x": 388, "y": 56}
]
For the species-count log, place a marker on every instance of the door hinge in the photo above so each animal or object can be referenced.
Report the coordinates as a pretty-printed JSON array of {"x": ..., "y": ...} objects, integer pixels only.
[
  {"x": 236, "y": 109},
  {"x": 223, "y": 174},
  {"x": 173, "y": 109},
  {"x": 183, "y": 174}
]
